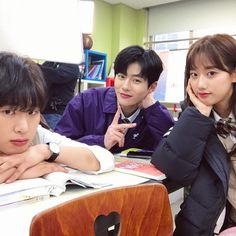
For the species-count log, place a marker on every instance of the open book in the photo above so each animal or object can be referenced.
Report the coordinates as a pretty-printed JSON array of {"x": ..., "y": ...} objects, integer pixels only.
[
  {"x": 52, "y": 184},
  {"x": 140, "y": 168}
]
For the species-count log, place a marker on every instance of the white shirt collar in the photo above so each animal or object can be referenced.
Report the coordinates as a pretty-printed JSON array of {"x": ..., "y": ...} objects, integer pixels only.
[
  {"x": 132, "y": 117},
  {"x": 217, "y": 118}
]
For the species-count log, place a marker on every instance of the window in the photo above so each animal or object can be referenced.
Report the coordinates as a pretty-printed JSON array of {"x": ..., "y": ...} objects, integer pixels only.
[{"x": 172, "y": 49}]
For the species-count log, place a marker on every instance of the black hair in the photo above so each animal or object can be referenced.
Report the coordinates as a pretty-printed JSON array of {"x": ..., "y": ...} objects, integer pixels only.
[
  {"x": 22, "y": 85},
  {"x": 150, "y": 63},
  {"x": 220, "y": 50}
]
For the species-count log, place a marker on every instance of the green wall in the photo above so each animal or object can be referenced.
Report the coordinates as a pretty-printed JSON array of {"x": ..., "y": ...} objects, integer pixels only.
[
  {"x": 116, "y": 27},
  {"x": 102, "y": 29}
]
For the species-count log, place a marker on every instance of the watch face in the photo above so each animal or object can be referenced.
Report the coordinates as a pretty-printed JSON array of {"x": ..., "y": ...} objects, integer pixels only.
[{"x": 55, "y": 148}]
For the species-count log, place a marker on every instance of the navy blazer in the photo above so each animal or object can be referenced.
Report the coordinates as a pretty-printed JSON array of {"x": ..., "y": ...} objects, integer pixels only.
[{"x": 192, "y": 154}]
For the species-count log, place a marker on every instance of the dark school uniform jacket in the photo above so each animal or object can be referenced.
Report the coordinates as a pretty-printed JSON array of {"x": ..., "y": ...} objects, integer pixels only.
[
  {"x": 61, "y": 79},
  {"x": 89, "y": 114},
  {"x": 192, "y": 154}
]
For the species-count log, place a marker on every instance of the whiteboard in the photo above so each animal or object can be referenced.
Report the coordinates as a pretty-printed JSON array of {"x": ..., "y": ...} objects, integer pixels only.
[{"x": 42, "y": 29}]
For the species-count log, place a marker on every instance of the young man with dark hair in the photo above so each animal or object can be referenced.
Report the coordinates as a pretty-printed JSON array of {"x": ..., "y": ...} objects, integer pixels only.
[
  {"x": 27, "y": 150},
  {"x": 124, "y": 116}
]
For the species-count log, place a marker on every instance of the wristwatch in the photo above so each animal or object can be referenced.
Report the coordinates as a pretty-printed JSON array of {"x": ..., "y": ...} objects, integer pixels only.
[{"x": 55, "y": 149}]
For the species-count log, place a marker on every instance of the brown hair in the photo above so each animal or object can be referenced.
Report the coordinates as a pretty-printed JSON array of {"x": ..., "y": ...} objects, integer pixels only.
[{"x": 220, "y": 50}]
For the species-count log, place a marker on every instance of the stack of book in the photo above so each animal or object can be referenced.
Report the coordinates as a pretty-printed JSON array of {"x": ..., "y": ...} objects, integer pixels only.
[
  {"x": 56, "y": 183},
  {"x": 95, "y": 70},
  {"x": 136, "y": 161},
  {"x": 53, "y": 184},
  {"x": 139, "y": 168}
]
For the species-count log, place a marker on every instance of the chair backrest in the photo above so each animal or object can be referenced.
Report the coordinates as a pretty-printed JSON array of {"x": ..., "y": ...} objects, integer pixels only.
[{"x": 133, "y": 210}]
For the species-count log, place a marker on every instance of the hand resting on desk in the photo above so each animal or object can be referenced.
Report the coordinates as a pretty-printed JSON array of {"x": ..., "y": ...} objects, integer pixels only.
[{"x": 28, "y": 164}]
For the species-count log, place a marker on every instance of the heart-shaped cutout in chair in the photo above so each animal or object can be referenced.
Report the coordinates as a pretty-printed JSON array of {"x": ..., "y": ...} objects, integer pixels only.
[{"x": 107, "y": 225}]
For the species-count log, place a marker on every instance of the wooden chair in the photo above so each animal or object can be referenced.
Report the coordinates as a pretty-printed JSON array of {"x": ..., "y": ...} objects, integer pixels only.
[{"x": 134, "y": 210}]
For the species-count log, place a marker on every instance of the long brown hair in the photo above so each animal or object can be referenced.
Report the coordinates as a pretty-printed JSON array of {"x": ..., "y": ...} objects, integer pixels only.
[{"x": 220, "y": 50}]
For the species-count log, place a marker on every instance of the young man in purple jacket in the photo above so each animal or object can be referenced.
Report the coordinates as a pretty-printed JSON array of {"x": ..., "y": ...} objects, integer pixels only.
[{"x": 124, "y": 116}]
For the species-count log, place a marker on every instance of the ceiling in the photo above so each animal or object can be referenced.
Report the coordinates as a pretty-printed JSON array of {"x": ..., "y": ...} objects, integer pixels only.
[{"x": 139, "y": 4}]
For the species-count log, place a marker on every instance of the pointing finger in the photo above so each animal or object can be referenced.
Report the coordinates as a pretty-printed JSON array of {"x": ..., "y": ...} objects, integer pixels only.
[
  {"x": 126, "y": 126},
  {"x": 117, "y": 116}
]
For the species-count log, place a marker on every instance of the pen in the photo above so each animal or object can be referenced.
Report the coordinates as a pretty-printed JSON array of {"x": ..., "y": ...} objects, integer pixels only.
[{"x": 138, "y": 156}]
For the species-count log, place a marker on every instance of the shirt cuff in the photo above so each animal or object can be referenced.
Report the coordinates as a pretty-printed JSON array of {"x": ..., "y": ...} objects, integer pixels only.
[{"x": 105, "y": 158}]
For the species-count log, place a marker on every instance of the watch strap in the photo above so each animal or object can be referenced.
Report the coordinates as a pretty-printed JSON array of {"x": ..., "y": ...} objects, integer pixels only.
[{"x": 54, "y": 155}]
